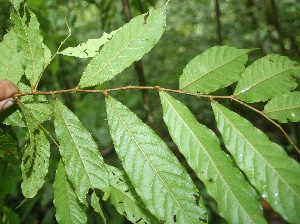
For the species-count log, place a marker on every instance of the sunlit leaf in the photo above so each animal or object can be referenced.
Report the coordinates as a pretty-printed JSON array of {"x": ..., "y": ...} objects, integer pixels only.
[
  {"x": 35, "y": 160},
  {"x": 68, "y": 208},
  {"x": 158, "y": 177},
  {"x": 237, "y": 201},
  {"x": 90, "y": 48},
  {"x": 215, "y": 68},
  {"x": 267, "y": 166},
  {"x": 284, "y": 107},
  {"x": 128, "y": 45},
  {"x": 126, "y": 200},
  {"x": 10, "y": 62},
  {"x": 83, "y": 162},
  {"x": 31, "y": 43},
  {"x": 267, "y": 77}
]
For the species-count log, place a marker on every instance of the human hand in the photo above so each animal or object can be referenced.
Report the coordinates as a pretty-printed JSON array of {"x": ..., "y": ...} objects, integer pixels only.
[{"x": 7, "y": 90}]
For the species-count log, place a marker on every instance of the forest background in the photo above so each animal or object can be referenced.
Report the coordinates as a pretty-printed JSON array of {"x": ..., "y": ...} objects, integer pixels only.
[{"x": 192, "y": 27}]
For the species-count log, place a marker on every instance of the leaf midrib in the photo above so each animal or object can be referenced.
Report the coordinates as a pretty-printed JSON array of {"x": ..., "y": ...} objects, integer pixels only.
[
  {"x": 258, "y": 153},
  {"x": 213, "y": 70},
  {"x": 208, "y": 155},
  {"x": 117, "y": 54},
  {"x": 143, "y": 153}
]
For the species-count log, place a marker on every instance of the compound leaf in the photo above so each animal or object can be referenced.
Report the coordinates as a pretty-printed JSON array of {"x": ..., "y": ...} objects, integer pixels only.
[
  {"x": 83, "y": 162},
  {"x": 68, "y": 208},
  {"x": 267, "y": 77},
  {"x": 10, "y": 62},
  {"x": 158, "y": 177},
  {"x": 126, "y": 200},
  {"x": 269, "y": 169},
  {"x": 237, "y": 201},
  {"x": 128, "y": 45},
  {"x": 215, "y": 68},
  {"x": 284, "y": 107},
  {"x": 90, "y": 48}
]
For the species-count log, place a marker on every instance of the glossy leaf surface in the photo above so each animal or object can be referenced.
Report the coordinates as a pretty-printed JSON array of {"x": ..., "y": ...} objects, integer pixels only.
[
  {"x": 215, "y": 68},
  {"x": 269, "y": 169},
  {"x": 237, "y": 201},
  {"x": 126, "y": 200},
  {"x": 83, "y": 162},
  {"x": 158, "y": 177},
  {"x": 68, "y": 208},
  {"x": 267, "y": 77},
  {"x": 128, "y": 45},
  {"x": 284, "y": 107}
]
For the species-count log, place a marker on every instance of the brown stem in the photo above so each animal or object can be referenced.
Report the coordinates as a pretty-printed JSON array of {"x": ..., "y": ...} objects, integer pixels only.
[
  {"x": 218, "y": 21},
  {"x": 140, "y": 72}
]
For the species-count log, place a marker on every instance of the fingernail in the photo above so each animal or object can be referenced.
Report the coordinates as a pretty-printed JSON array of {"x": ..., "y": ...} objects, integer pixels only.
[{"x": 4, "y": 104}]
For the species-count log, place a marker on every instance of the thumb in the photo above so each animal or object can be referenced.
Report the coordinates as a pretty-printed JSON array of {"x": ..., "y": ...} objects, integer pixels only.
[{"x": 7, "y": 90}]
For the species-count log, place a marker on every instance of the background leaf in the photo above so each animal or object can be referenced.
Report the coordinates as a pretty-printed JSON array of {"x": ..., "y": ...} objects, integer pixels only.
[
  {"x": 126, "y": 200},
  {"x": 35, "y": 159},
  {"x": 158, "y": 177},
  {"x": 68, "y": 208},
  {"x": 128, "y": 45},
  {"x": 8, "y": 144},
  {"x": 90, "y": 48},
  {"x": 267, "y": 77},
  {"x": 83, "y": 162},
  {"x": 215, "y": 68},
  {"x": 284, "y": 107},
  {"x": 201, "y": 148},
  {"x": 10, "y": 62},
  {"x": 31, "y": 42},
  {"x": 269, "y": 169}
]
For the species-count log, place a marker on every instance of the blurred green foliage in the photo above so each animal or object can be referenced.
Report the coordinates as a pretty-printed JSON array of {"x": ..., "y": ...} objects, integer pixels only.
[{"x": 191, "y": 29}]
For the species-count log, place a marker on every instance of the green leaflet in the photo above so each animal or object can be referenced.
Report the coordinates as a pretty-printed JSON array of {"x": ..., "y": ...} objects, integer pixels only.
[
  {"x": 215, "y": 68},
  {"x": 83, "y": 162},
  {"x": 35, "y": 160},
  {"x": 33, "y": 51},
  {"x": 39, "y": 107},
  {"x": 158, "y": 177},
  {"x": 284, "y": 107},
  {"x": 90, "y": 48},
  {"x": 68, "y": 208},
  {"x": 266, "y": 164},
  {"x": 267, "y": 77},
  {"x": 237, "y": 201},
  {"x": 128, "y": 45},
  {"x": 126, "y": 200},
  {"x": 10, "y": 62}
]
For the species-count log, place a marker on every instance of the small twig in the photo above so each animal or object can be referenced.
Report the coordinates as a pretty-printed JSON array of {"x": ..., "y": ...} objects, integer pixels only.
[
  {"x": 158, "y": 88},
  {"x": 56, "y": 53}
]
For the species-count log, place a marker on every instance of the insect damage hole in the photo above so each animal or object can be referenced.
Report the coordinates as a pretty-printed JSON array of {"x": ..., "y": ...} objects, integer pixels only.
[{"x": 174, "y": 218}]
